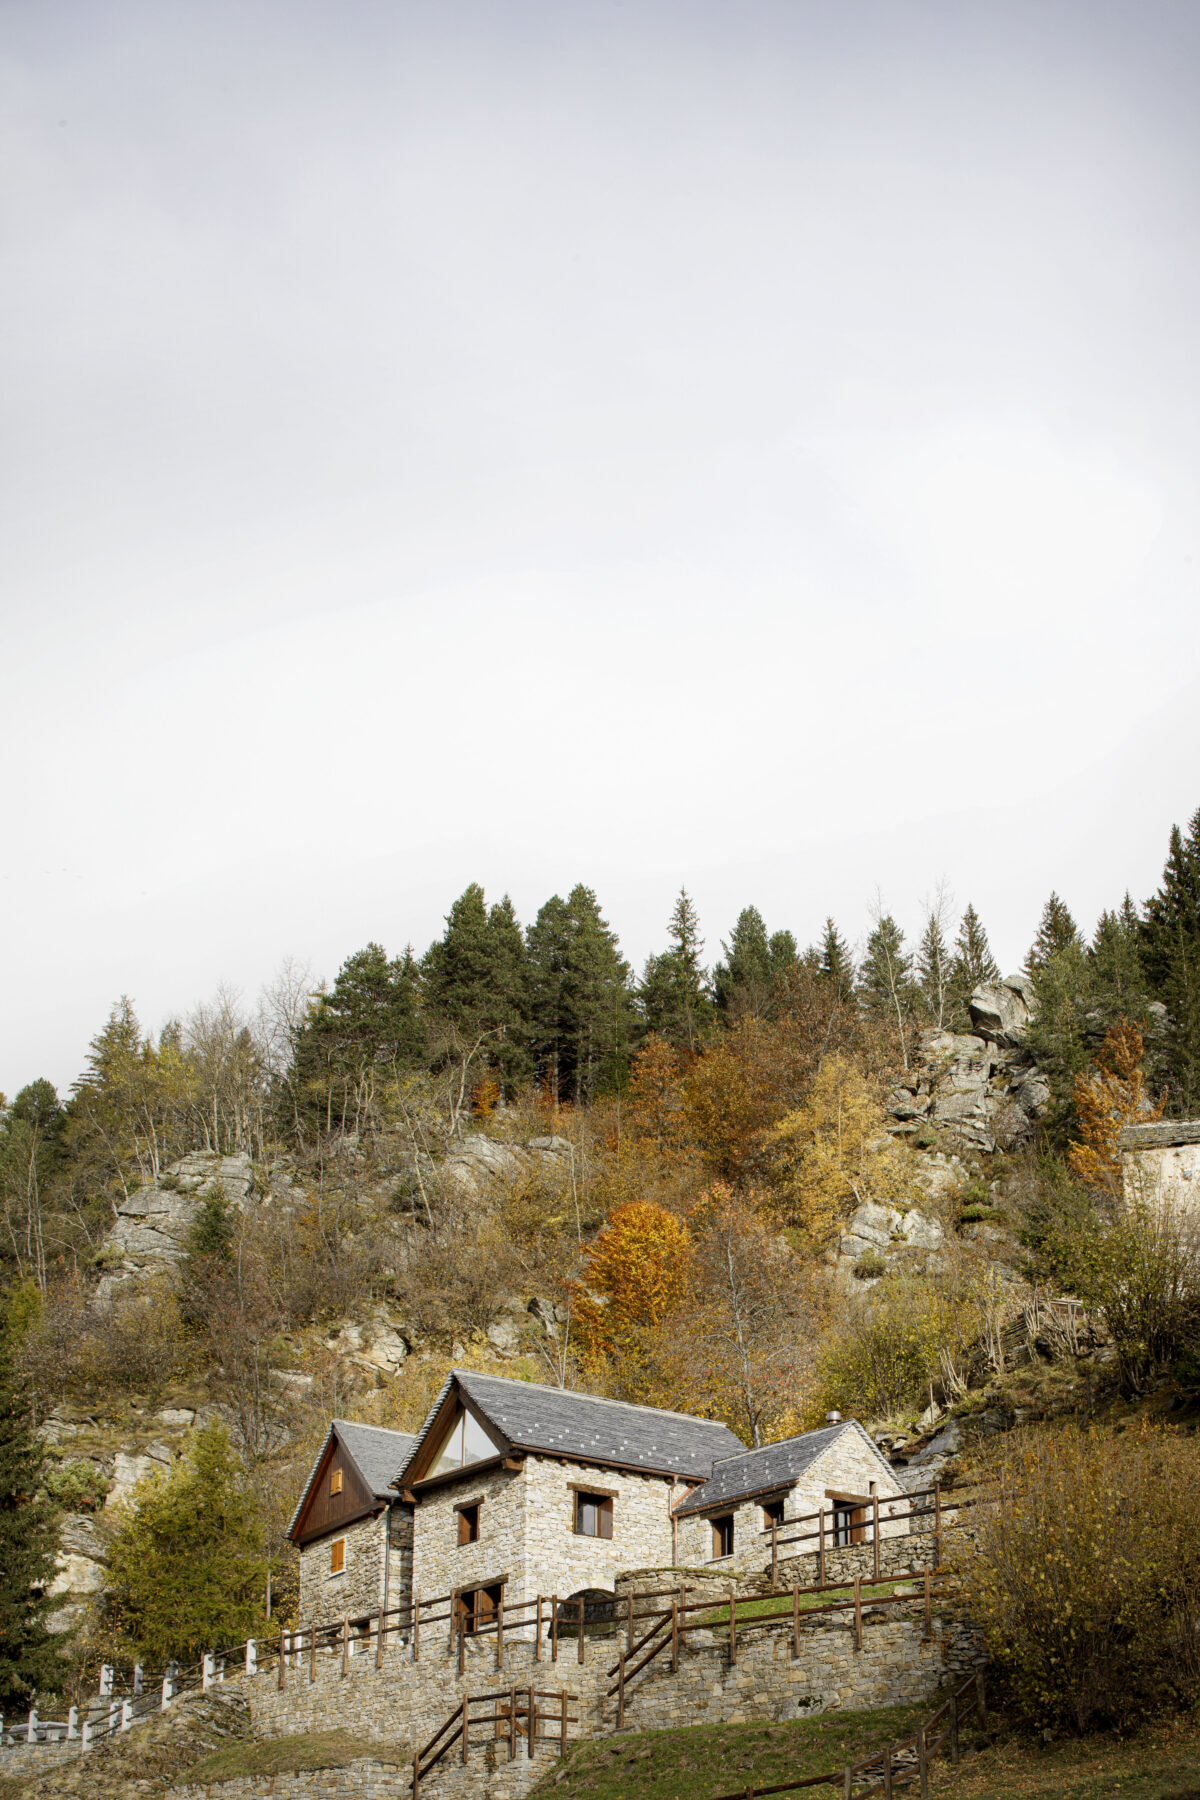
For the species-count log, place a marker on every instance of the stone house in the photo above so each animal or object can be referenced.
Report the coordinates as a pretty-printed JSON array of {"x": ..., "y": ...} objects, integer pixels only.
[
  {"x": 520, "y": 1490},
  {"x": 353, "y": 1530},
  {"x": 512, "y": 1490},
  {"x": 726, "y": 1522},
  {"x": 1160, "y": 1166}
]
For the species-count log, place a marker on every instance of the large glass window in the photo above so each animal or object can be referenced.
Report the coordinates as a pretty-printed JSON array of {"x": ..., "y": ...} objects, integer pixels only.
[{"x": 465, "y": 1442}]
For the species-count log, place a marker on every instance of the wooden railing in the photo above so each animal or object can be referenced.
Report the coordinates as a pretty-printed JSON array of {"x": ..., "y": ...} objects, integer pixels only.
[
  {"x": 896, "y": 1765},
  {"x": 830, "y": 1532},
  {"x": 670, "y": 1625},
  {"x": 532, "y": 1714}
]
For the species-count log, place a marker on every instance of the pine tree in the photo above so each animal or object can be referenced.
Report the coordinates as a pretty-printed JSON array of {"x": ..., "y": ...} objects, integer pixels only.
[
  {"x": 477, "y": 980},
  {"x": 743, "y": 980},
  {"x": 886, "y": 978},
  {"x": 28, "y": 1541},
  {"x": 972, "y": 966},
  {"x": 187, "y": 1571},
  {"x": 674, "y": 994},
  {"x": 1056, "y": 932},
  {"x": 582, "y": 1009},
  {"x": 1170, "y": 954},
  {"x": 835, "y": 961},
  {"x": 1117, "y": 960},
  {"x": 933, "y": 969},
  {"x": 368, "y": 1024}
]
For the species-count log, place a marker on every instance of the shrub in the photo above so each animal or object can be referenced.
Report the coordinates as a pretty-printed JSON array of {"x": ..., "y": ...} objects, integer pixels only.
[
  {"x": 1086, "y": 1577},
  {"x": 77, "y": 1486},
  {"x": 910, "y": 1333},
  {"x": 870, "y": 1266}
]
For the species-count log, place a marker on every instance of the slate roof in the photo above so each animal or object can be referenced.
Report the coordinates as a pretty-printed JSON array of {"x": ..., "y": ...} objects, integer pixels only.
[
  {"x": 375, "y": 1453},
  {"x": 735, "y": 1478},
  {"x": 1162, "y": 1136},
  {"x": 590, "y": 1429}
]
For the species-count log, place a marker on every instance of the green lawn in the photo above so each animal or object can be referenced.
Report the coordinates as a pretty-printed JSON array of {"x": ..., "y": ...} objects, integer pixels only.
[
  {"x": 278, "y": 1756},
  {"x": 780, "y": 1605},
  {"x": 706, "y": 1760},
  {"x": 700, "y": 1763}
]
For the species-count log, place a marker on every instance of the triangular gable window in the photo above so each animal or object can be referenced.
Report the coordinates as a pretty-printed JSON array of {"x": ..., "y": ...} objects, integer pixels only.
[{"x": 465, "y": 1442}]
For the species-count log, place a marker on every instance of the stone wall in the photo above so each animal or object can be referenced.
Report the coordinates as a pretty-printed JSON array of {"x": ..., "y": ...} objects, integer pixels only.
[
  {"x": 527, "y": 1531},
  {"x": 895, "y": 1664},
  {"x": 358, "y": 1589},
  {"x": 364, "y": 1780}
]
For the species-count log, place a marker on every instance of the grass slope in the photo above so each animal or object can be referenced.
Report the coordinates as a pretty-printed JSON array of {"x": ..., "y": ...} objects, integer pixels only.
[
  {"x": 279, "y": 1756},
  {"x": 702, "y": 1761}
]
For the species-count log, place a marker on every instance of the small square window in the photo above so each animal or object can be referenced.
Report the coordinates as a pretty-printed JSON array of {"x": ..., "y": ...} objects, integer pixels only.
[
  {"x": 335, "y": 1482},
  {"x": 468, "y": 1523},
  {"x": 773, "y": 1513},
  {"x": 594, "y": 1515},
  {"x": 337, "y": 1556},
  {"x": 722, "y": 1530}
]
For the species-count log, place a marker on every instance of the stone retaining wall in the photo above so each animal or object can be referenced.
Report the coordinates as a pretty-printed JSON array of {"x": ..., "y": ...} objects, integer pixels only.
[{"x": 365, "y": 1780}]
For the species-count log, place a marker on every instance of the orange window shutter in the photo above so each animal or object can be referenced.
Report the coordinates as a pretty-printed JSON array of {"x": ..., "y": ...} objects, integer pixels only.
[
  {"x": 337, "y": 1556},
  {"x": 335, "y": 1482}
]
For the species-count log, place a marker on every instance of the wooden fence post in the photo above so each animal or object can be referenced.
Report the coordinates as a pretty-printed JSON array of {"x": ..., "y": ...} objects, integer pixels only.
[
  {"x": 416, "y": 1641},
  {"x": 466, "y": 1718},
  {"x": 380, "y": 1628},
  {"x": 858, "y": 1612},
  {"x": 922, "y": 1763},
  {"x": 928, "y": 1607},
  {"x": 937, "y": 1524},
  {"x": 554, "y": 1628},
  {"x": 674, "y": 1637},
  {"x": 462, "y": 1639},
  {"x": 876, "y": 1536},
  {"x": 848, "y": 1783},
  {"x": 582, "y": 1638},
  {"x": 954, "y": 1728},
  {"x": 629, "y": 1623},
  {"x": 537, "y": 1634},
  {"x": 821, "y": 1550},
  {"x": 774, "y": 1552},
  {"x": 312, "y": 1653},
  {"x": 500, "y": 1632},
  {"x": 562, "y": 1742},
  {"x": 531, "y": 1720},
  {"x": 732, "y": 1626},
  {"x": 512, "y": 1725},
  {"x": 887, "y": 1773},
  {"x": 345, "y": 1645}
]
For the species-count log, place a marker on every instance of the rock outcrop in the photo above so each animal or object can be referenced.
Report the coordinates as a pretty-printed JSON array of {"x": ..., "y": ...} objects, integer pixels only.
[
  {"x": 152, "y": 1226},
  {"x": 976, "y": 1091}
]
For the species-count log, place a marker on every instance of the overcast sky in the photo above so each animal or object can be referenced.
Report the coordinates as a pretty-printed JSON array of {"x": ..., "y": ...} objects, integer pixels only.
[{"x": 753, "y": 445}]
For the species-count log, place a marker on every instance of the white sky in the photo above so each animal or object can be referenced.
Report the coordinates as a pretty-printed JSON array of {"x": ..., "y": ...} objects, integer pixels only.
[{"x": 752, "y": 445}]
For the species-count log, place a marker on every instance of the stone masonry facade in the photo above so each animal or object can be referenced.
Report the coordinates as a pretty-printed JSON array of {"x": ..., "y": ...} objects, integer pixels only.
[
  {"x": 846, "y": 1466},
  {"x": 357, "y": 1590},
  {"x": 527, "y": 1535}
]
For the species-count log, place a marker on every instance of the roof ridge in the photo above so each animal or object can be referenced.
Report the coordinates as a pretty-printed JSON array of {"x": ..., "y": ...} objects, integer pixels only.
[
  {"x": 660, "y": 1412},
  {"x": 793, "y": 1437}
]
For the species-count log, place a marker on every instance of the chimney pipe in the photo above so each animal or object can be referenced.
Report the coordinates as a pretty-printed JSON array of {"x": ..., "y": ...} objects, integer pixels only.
[{"x": 833, "y": 1418}]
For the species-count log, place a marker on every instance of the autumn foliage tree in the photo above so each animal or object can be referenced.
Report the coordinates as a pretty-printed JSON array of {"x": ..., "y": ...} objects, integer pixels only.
[
  {"x": 1109, "y": 1096},
  {"x": 832, "y": 1153},
  {"x": 635, "y": 1274}
]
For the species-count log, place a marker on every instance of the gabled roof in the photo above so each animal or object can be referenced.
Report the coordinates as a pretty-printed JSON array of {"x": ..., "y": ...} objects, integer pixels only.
[
  {"x": 780, "y": 1465},
  {"x": 375, "y": 1453},
  {"x": 586, "y": 1428}
]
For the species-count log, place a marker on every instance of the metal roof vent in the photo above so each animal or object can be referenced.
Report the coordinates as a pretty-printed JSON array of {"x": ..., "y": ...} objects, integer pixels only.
[{"x": 833, "y": 1418}]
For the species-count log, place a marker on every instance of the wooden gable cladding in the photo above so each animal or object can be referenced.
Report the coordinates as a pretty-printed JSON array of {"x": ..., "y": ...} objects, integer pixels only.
[{"x": 324, "y": 1510}]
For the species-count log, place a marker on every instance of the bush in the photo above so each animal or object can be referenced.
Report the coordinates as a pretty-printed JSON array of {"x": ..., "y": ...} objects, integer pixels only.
[
  {"x": 909, "y": 1334},
  {"x": 870, "y": 1266},
  {"x": 77, "y": 1486},
  {"x": 1086, "y": 1577}
]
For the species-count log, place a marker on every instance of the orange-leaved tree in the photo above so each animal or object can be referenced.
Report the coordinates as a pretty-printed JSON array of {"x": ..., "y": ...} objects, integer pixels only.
[
  {"x": 635, "y": 1273},
  {"x": 1109, "y": 1096}
]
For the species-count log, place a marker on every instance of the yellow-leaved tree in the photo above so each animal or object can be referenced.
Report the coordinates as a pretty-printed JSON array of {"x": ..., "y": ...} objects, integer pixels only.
[
  {"x": 1109, "y": 1096},
  {"x": 635, "y": 1274},
  {"x": 832, "y": 1153}
]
